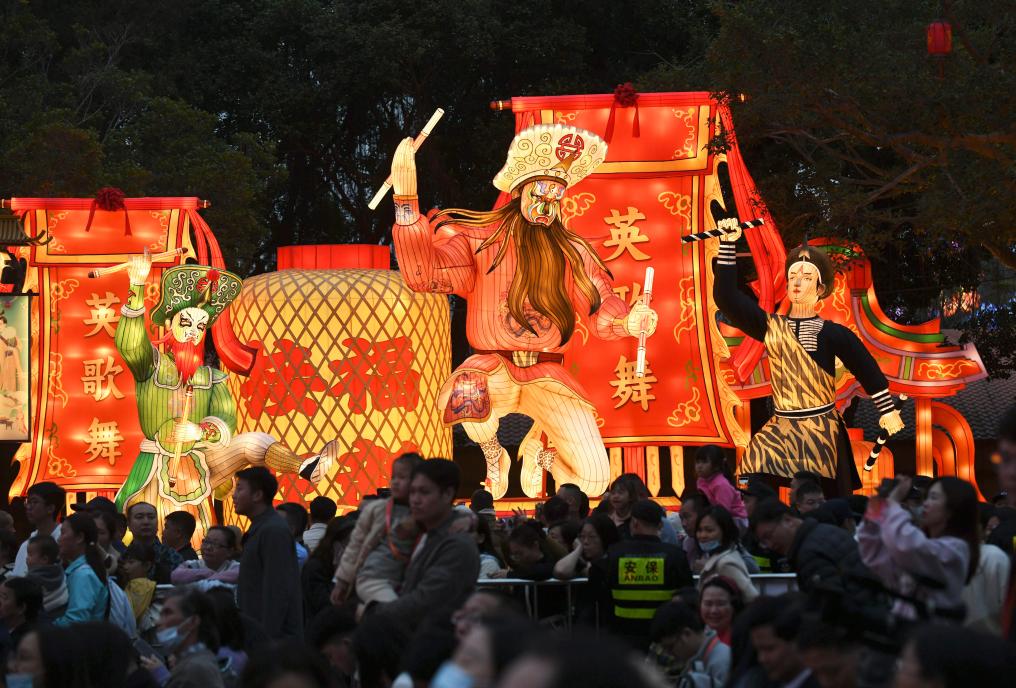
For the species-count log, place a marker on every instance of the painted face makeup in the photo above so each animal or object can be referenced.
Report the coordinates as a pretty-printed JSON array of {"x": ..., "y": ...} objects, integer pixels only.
[
  {"x": 803, "y": 283},
  {"x": 189, "y": 325},
  {"x": 541, "y": 201}
]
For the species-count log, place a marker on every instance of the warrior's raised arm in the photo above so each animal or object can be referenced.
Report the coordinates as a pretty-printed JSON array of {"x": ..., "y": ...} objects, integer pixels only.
[{"x": 438, "y": 263}]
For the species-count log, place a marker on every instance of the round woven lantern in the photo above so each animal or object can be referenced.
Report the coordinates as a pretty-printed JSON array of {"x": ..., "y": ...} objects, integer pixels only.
[{"x": 347, "y": 353}]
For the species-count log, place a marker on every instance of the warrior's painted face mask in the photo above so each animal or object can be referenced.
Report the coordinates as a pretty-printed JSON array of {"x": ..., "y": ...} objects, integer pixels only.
[
  {"x": 803, "y": 283},
  {"x": 189, "y": 325},
  {"x": 541, "y": 201}
]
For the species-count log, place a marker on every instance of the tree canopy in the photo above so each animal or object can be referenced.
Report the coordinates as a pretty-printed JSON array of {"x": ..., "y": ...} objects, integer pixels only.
[{"x": 284, "y": 113}]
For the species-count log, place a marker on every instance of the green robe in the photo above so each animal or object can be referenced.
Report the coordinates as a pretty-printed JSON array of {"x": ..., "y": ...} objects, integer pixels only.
[{"x": 160, "y": 398}]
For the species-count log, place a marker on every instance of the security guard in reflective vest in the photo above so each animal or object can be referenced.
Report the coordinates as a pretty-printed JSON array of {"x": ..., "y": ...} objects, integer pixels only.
[{"x": 643, "y": 573}]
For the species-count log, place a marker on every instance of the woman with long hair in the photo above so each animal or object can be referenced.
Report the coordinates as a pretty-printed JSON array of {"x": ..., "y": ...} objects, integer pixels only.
[
  {"x": 491, "y": 559},
  {"x": 718, "y": 539},
  {"x": 598, "y": 533},
  {"x": 624, "y": 492},
  {"x": 233, "y": 638},
  {"x": 88, "y": 594},
  {"x": 930, "y": 562},
  {"x": 627, "y": 489},
  {"x": 589, "y": 559},
  {"x": 105, "y": 524},
  {"x": 316, "y": 574}
]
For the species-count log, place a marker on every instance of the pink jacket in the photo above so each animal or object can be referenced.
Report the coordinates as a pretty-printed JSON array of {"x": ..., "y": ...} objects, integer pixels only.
[
  {"x": 899, "y": 553},
  {"x": 720, "y": 492}
]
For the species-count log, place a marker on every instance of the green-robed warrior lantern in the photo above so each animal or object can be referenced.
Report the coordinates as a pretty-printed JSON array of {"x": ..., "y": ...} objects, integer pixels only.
[{"x": 187, "y": 413}]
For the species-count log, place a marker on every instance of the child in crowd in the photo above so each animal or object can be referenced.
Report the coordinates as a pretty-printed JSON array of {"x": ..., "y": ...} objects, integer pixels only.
[
  {"x": 135, "y": 563},
  {"x": 378, "y": 552},
  {"x": 215, "y": 567},
  {"x": 44, "y": 566},
  {"x": 713, "y": 482}
]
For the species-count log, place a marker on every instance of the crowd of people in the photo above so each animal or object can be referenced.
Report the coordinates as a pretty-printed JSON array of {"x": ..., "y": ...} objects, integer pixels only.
[{"x": 912, "y": 587}]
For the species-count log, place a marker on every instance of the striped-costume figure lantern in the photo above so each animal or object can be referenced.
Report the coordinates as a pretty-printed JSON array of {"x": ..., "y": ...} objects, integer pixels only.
[
  {"x": 525, "y": 278},
  {"x": 806, "y": 432},
  {"x": 187, "y": 413}
]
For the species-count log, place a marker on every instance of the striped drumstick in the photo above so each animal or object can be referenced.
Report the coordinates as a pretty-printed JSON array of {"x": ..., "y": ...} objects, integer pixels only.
[
  {"x": 713, "y": 233},
  {"x": 880, "y": 441},
  {"x": 417, "y": 142}
]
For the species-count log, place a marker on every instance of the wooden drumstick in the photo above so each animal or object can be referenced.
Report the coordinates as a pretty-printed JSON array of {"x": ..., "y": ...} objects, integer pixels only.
[
  {"x": 101, "y": 272},
  {"x": 417, "y": 142},
  {"x": 647, "y": 296}
]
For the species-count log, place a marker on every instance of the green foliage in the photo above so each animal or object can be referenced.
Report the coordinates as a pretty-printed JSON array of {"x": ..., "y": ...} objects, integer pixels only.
[
  {"x": 284, "y": 113},
  {"x": 850, "y": 128}
]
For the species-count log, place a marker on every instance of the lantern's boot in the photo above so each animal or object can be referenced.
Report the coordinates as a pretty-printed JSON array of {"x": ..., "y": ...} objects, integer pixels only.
[
  {"x": 536, "y": 458},
  {"x": 317, "y": 467},
  {"x": 498, "y": 463}
]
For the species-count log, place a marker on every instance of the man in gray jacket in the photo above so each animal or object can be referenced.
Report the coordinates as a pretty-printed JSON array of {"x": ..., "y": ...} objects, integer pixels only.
[
  {"x": 444, "y": 566},
  {"x": 269, "y": 586}
]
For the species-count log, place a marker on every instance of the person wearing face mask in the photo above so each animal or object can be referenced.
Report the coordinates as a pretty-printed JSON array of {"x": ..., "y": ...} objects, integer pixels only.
[
  {"x": 806, "y": 432},
  {"x": 931, "y": 562},
  {"x": 485, "y": 652},
  {"x": 188, "y": 636},
  {"x": 718, "y": 537},
  {"x": 49, "y": 657}
]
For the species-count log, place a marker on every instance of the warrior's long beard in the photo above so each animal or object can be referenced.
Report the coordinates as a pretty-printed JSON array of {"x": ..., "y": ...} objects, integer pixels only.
[
  {"x": 544, "y": 254},
  {"x": 187, "y": 356}
]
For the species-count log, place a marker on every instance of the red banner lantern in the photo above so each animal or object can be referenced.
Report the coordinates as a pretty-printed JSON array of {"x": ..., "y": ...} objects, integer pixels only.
[{"x": 939, "y": 39}]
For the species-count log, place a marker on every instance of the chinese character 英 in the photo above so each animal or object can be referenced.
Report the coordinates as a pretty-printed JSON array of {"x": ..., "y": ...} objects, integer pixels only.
[
  {"x": 99, "y": 378},
  {"x": 103, "y": 441},
  {"x": 104, "y": 316},
  {"x": 629, "y": 388},
  {"x": 624, "y": 234}
]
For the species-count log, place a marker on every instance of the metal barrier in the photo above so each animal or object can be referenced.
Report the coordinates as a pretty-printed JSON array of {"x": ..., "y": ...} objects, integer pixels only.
[{"x": 771, "y": 584}]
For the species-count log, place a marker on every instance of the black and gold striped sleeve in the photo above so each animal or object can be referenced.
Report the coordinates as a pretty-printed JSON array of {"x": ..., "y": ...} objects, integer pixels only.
[
  {"x": 862, "y": 365},
  {"x": 742, "y": 312}
]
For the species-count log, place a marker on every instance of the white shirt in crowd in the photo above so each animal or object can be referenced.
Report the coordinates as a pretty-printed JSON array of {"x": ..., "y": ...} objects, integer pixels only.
[
  {"x": 984, "y": 595},
  {"x": 312, "y": 536}
]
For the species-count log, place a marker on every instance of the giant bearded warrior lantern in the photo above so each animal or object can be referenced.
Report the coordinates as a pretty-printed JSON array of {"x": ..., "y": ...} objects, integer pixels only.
[{"x": 525, "y": 277}]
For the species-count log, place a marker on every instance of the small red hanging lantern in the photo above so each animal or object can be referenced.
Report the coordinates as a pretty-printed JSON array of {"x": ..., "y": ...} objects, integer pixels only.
[{"x": 939, "y": 38}]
